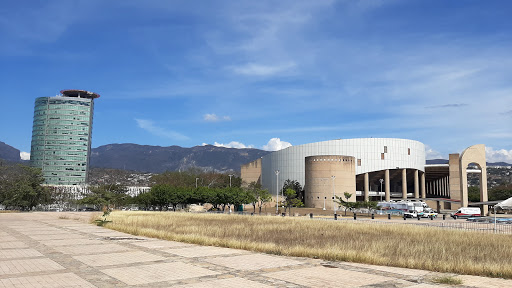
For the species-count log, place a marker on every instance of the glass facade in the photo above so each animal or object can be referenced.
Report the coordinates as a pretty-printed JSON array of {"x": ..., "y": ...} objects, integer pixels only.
[{"x": 61, "y": 138}]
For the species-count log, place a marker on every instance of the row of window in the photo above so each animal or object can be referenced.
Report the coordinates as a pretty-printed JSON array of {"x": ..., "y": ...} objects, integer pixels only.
[
  {"x": 334, "y": 159},
  {"x": 36, "y": 148},
  {"x": 60, "y": 142},
  {"x": 41, "y": 163},
  {"x": 60, "y": 127},
  {"x": 61, "y": 122},
  {"x": 63, "y": 168},
  {"x": 56, "y": 100},
  {"x": 57, "y": 132},
  {"x": 65, "y": 153},
  {"x": 61, "y": 117},
  {"x": 59, "y": 137},
  {"x": 59, "y": 158},
  {"x": 62, "y": 107},
  {"x": 386, "y": 151},
  {"x": 64, "y": 180},
  {"x": 61, "y": 112}
]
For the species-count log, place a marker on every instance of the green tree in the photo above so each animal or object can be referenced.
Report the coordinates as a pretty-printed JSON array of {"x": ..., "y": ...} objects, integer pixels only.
[
  {"x": 474, "y": 194},
  {"x": 106, "y": 195},
  {"x": 291, "y": 200},
  {"x": 295, "y": 185},
  {"x": 501, "y": 192},
  {"x": 370, "y": 205},
  {"x": 160, "y": 195},
  {"x": 347, "y": 205},
  {"x": 258, "y": 196},
  {"x": 144, "y": 199},
  {"x": 20, "y": 187},
  {"x": 239, "y": 196}
]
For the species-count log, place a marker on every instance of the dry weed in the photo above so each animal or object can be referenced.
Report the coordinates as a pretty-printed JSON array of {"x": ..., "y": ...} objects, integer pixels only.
[{"x": 408, "y": 246}]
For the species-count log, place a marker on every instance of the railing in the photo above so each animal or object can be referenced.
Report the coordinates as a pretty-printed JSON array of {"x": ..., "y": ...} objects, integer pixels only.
[{"x": 495, "y": 228}]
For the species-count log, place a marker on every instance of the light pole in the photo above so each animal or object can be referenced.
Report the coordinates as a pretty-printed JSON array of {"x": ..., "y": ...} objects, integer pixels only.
[
  {"x": 333, "y": 194},
  {"x": 196, "y": 181},
  {"x": 494, "y": 207},
  {"x": 381, "y": 180},
  {"x": 230, "y": 175},
  {"x": 277, "y": 191}
]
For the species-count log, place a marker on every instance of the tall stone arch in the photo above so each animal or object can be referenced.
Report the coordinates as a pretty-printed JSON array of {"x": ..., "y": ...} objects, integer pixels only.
[{"x": 474, "y": 154}]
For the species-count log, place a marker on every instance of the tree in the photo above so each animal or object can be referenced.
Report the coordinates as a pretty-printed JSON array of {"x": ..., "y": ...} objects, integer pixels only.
[
  {"x": 474, "y": 194},
  {"x": 501, "y": 192},
  {"x": 144, "y": 199},
  {"x": 160, "y": 195},
  {"x": 257, "y": 195},
  {"x": 346, "y": 204},
  {"x": 291, "y": 200},
  {"x": 106, "y": 195},
  {"x": 181, "y": 196},
  {"x": 239, "y": 196},
  {"x": 370, "y": 205},
  {"x": 295, "y": 185},
  {"x": 20, "y": 187}
]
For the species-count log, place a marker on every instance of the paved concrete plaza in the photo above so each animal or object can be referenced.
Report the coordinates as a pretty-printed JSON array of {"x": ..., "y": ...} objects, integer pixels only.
[{"x": 63, "y": 250}]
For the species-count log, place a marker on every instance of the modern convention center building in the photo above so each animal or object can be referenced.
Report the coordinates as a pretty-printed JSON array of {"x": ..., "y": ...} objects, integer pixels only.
[
  {"x": 376, "y": 169},
  {"x": 61, "y": 136}
]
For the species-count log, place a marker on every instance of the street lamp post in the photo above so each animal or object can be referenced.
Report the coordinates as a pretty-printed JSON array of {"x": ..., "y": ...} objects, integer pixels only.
[
  {"x": 494, "y": 207},
  {"x": 381, "y": 180},
  {"x": 277, "y": 191},
  {"x": 230, "y": 175},
  {"x": 333, "y": 194},
  {"x": 196, "y": 181}
]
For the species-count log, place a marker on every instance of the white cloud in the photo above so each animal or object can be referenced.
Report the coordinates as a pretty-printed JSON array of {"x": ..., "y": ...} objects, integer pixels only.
[
  {"x": 150, "y": 126},
  {"x": 24, "y": 155},
  {"x": 232, "y": 144},
  {"x": 276, "y": 144},
  {"x": 501, "y": 155},
  {"x": 432, "y": 154},
  {"x": 253, "y": 69},
  {"x": 214, "y": 118}
]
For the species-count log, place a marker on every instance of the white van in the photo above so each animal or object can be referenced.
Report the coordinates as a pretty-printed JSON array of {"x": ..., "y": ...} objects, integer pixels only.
[{"x": 466, "y": 212}]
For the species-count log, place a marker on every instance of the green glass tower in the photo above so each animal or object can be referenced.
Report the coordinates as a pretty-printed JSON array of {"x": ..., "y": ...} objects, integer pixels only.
[{"x": 61, "y": 136}]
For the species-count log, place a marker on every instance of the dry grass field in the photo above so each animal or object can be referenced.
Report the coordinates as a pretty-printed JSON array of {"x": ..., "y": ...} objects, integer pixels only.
[{"x": 408, "y": 246}]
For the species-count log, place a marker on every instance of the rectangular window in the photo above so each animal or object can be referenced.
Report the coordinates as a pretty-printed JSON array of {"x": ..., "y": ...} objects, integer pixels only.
[
  {"x": 358, "y": 162},
  {"x": 382, "y": 156},
  {"x": 408, "y": 151},
  {"x": 385, "y": 149}
]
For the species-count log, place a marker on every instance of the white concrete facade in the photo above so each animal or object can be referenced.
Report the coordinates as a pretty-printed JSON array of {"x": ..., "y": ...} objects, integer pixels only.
[{"x": 371, "y": 154}]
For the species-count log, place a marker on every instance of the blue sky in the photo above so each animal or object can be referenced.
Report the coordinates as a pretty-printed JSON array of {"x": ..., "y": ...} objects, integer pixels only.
[{"x": 240, "y": 73}]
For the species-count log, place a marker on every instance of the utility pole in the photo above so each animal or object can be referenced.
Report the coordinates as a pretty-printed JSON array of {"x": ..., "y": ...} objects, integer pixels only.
[
  {"x": 333, "y": 194},
  {"x": 230, "y": 175},
  {"x": 277, "y": 191}
]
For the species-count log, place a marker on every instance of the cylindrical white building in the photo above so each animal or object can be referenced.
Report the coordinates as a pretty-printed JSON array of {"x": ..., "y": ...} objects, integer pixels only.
[{"x": 396, "y": 161}]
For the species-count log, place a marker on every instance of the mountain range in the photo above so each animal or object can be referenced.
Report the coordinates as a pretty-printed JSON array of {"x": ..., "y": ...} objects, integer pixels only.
[
  {"x": 157, "y": 159},
  {"x": 9, "y": 153}
]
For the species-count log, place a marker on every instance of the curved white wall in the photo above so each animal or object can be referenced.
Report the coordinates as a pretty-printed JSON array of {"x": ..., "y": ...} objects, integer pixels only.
[{"x": 291, "y": 161}]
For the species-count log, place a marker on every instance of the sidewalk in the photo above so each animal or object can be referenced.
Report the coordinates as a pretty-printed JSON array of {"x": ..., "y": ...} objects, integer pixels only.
[{"x": 49, "y": 249}]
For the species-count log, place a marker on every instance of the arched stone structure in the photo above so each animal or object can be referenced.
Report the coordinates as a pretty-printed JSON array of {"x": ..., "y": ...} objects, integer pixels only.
[{"x": 474, "y": 154}]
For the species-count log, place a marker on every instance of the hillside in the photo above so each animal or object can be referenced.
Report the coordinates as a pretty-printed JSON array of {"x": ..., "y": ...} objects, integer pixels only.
[
  {"x": 156, "y": 159},
  {"x": 9, "y": 153}
]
